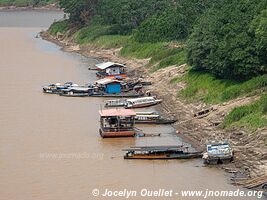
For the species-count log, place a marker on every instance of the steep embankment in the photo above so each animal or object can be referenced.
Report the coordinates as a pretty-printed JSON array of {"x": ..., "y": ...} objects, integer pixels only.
[{"x": 186, "y": 94}]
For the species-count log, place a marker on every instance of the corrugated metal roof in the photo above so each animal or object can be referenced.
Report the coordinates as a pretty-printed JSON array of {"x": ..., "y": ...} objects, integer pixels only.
[
  {"x": 117, "y": 112},
  {"x": 105, "y": 81},
  {"x": 108, "y": 64}
]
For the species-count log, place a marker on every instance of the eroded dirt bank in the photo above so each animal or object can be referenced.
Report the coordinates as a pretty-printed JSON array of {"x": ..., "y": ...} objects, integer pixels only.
[{"x": 250, "y": 149}]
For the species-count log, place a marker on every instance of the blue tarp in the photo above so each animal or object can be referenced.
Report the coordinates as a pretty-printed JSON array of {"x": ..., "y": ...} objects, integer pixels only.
[{"x": 113, "y": 88}]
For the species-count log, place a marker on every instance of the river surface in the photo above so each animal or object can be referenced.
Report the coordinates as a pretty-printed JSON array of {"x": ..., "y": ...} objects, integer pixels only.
[{"x": 50, "y": 148}]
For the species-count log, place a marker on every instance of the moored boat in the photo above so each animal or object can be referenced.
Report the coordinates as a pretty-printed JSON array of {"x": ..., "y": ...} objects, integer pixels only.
[
  {"x": 133, "y": 103},
  {"x": 117, "y": 123},
  {"x": 79, "y": 91},
  {"x": 56, "y": 88},
  {"x": 152, "y": 118},
  {"x": 111, "y": 70},
  {"x": 160, "y": 152},
  {"x": 142, "y": 102},
  {"x": 218, "y": 153},
  {"x": 91, "y": 93},
  {"x": 102, "y": 88},
  {"x": 115, "y": 103}
]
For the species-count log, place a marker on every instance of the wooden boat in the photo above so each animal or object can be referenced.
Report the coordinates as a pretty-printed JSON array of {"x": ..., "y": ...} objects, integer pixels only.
[
  {"x": 160, "y": 152},
  {"x": 152, "y": 118},
  {"x": 117, "y": 123},
  {"x": 133, "y": 103},
  {"x": 218, "y": 153},
  {"x": 56, "y": 88},
  {"x": 75, "y": 93},
  {"x": 142, "y": 102}
]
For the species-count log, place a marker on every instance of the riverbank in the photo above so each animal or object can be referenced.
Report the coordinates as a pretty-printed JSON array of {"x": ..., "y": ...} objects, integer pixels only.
[
  {"x": 52, "y": 7},
  {"x": 250, "y": 154}
]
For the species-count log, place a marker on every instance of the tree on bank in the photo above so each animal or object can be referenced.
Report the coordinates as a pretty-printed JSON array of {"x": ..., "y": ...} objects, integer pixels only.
[{"x": 230, "y": 40}]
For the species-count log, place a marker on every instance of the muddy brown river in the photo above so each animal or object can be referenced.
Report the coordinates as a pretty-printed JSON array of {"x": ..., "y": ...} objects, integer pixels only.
[{"x": 50, "y": 148}]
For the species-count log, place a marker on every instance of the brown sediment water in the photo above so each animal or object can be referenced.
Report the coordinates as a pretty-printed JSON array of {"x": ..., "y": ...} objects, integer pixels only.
[{"x": 50, "y": 147}]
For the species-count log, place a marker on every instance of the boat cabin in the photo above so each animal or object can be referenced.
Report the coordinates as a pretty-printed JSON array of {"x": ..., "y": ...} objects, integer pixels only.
[
  {"x": 111, "y": 86},
  {"x": 117, "y": 123},
  {"x": 111, "y": 70}
]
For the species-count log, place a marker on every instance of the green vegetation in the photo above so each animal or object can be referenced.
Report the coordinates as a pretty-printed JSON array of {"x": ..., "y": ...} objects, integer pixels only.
[
  {"x": 178, "y": 58},
  {"x": 202, "y": 86},
  {"x": 245, "y": 88},
  {"x": 22, "y": 3},
  {"x": 251, "y": 116},
  {"x": 125, "y": 15},
  {"x": 159, "y": 53},
  {"x": 110, "y": 41},
  {"x": 174, "y": 23},
  {"x": 60, "y": 26},
  {"x": 142, "y": 50},
  {"x": 229, "y": 40},
  {"x": 89, "y": 33}
]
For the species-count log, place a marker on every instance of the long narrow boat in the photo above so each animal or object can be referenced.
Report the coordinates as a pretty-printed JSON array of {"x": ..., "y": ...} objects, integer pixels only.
[
  {"x": 152, "y": 118},
  {"x": 160, "y": 152},
  {"x": 71, "y": 92},
  {"x": 142, "y": 102},
  {"x": 115, "y": 103},
  {"x": 133, "y": 103}
]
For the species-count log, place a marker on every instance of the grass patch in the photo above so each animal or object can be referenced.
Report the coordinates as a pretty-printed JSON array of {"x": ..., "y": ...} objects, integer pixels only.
[
  {"x": 60, "y": 26},
  {"x": 6, "y": 2},
  {"x": 158, "y": 52},
  {"x": 176, "y": 80},
  {"x": 89, "y": 33},
  {"x": 202, "y": 86},
  {"x": 177, "y": 59},
  {"x": 250, "y": 116},
  {"x": 142, "y": 50},
  {"x": 110, "y": 41},
  {"x": 164, "y": 53},
  {"x": 244, "y": 88},
  {"x": 23, "y": 2}
]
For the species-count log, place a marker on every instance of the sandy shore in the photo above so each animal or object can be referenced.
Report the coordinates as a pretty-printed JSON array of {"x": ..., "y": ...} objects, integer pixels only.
[{"x": 250, "y": 150}]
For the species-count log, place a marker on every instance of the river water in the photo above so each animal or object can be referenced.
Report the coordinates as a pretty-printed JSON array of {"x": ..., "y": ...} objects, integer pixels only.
[{"x": 50, "y": 148}]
